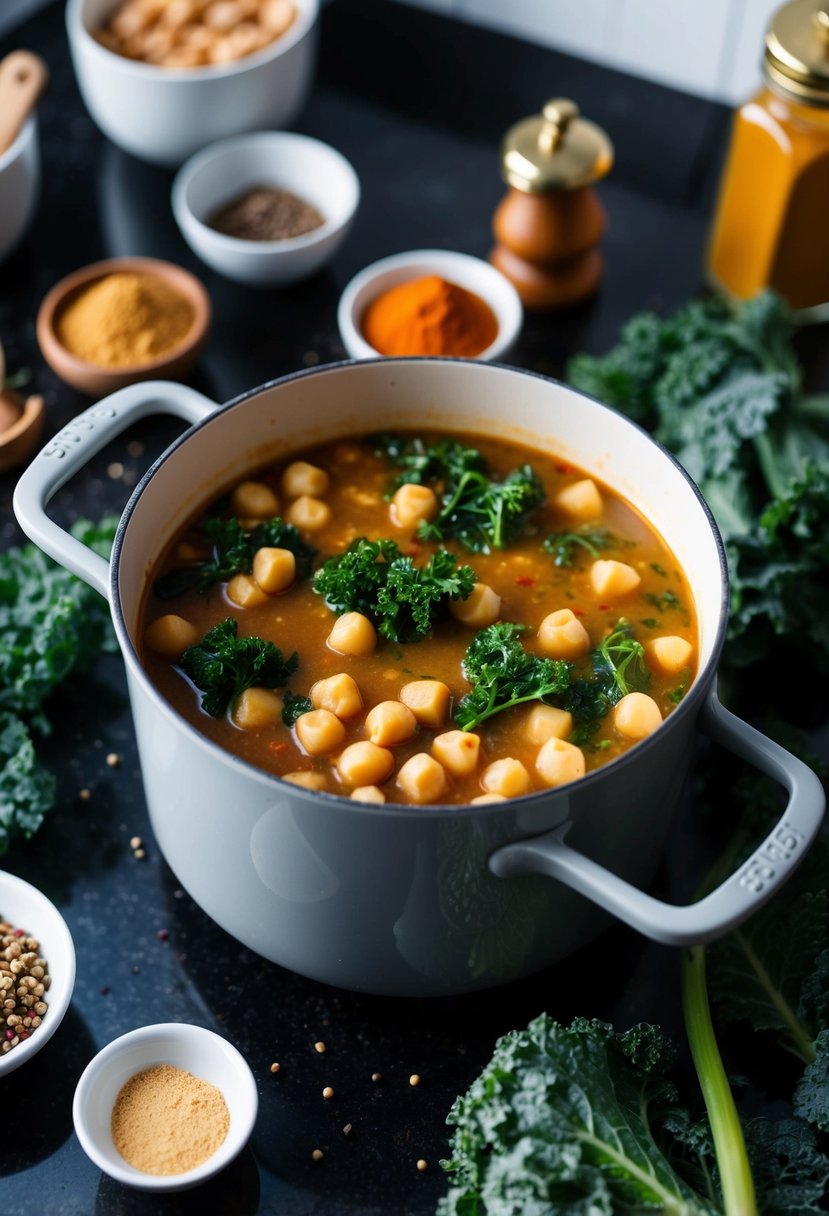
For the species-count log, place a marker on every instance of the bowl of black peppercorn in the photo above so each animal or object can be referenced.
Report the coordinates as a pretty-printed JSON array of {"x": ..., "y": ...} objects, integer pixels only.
[{"x": 266, "y": 209}]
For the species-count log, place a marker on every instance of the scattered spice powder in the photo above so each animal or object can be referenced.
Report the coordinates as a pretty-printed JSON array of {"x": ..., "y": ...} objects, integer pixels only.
[
  {"x": 124, "y": 319},
  {"x": 266, "y": 213},
  {"x": 166, "y": 1121},
  {"x": 24, "y": 980}
]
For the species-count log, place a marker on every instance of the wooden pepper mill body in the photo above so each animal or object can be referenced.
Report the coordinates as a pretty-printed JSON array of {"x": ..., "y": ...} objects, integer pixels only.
[{"x": 550, "y": 223}]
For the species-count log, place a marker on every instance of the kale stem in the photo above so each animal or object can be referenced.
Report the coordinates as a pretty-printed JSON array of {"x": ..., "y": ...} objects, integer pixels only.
[
  {"x": 801, "y": 1042},
  {"x": 729, "y": 1144},
  {"x": 769, "y": 467}
]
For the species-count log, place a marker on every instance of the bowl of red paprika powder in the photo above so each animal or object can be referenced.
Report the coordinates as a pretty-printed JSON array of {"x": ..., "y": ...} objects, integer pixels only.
[{"x": 430, "y": 302}]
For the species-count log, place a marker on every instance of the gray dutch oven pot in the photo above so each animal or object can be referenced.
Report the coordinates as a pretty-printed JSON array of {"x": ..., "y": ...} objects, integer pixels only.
[{"x": 416, "y": 900}]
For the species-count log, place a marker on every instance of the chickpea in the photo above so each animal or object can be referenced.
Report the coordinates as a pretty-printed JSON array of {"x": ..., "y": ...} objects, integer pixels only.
[
  {"x": 301, "y": 479},
  {"x": 581, "y": 499},
  {"x": 561, "y": 635},
  {"x": 320, "y": 732},
  {"x": 422, "y": 779},
  {"x": 485, "y": 799},
  {"x": 636, "y": 715},
  {"x": 254, "y": 499},
  {"x": 458, "y": 751},
  {"x": 427, "y": 699},
  {"x": 508, "y": 777},
  {"x": 365, "y": 763},
  {"x": 669, "y": 654},
  {"x": 558, "y": 762},
  {"x": 276, "y": 16},
  {"x": 339, "y": 694},
  {"x": 611, "y": 578},
  {"x": 481, "y": 607},
  {"x": 368, "y": 793},
  {"x": 353, "y": 633},
  {"x": 411, "y": 504},
  {"x": 257, "y": 707},
  {"x": 246, "y": 592},
  {"x": 274, "y": 569},
  {"x": 545, "y": 722},
  {"x": 390, "y": 722},
  {"x": 308, "y": 780},
  {"x": 309, "y": 514},
  {"x": 170, "y": 635}
]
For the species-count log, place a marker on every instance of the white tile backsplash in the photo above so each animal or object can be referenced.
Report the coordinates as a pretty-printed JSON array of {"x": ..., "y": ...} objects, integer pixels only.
[{"x": 709, "y": 47}]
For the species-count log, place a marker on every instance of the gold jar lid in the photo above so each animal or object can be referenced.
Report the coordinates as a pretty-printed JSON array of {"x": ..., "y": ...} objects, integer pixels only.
[
  {"x": 555, "y": 150},
  {"x": 797, "y": 50}
]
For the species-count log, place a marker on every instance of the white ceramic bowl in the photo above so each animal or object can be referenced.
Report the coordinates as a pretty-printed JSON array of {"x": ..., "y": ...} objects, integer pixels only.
[
  {"x": 19, "y": 186},
  {"x": 471, "y": 273},
  {"x": 309, "y": 168},
  {"x": 196, "y": 1050},
  {"x": 163, "y": 114},
  {"x": 23, "y": 906}
]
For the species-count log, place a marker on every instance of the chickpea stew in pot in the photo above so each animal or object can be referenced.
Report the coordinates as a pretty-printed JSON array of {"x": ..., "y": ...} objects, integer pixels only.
[{"x": 421, "y": 618}]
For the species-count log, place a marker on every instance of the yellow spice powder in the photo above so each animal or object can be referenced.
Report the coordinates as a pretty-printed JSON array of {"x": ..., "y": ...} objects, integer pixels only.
[
  {"x": 166, "y": 1121},
  {"x": 124, "y": 319}
]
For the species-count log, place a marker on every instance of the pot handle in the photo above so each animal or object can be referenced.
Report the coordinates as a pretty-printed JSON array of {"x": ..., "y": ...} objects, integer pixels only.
[
  {"x": 742, "y": 894},
  {"x": 77, "y": 443}
]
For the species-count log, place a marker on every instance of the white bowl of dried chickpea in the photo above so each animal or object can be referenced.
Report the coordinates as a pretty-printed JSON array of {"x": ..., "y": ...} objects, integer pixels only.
[
  {"x": 163, "y": 78},
  {"x": 37, "y": 970}
]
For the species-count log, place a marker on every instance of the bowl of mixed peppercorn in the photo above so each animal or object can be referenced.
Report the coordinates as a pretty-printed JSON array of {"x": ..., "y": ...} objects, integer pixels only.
[
  {"x": 266, "y": 209},
  {"x": 37, "y": 970}
]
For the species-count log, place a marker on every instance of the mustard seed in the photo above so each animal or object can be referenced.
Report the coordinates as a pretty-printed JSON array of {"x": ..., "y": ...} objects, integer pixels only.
[
  {"x": 24, "y": 978},
  {"x": 422, "y": 1165},
  {"x": 139, "y": 854},
  {"x": 414, "y": 1079},
  {"x": 377, "y": 1076},
  {"x": 317, "y": 1154},
  {"x": 319, "y": 1047},
  {"x": 328, "y": 1092},
  {"x": 136, "y": 842},
  {"x": 347, "y": 1129},
  {"x": 84, "y": 795},
  {"x": 274, "y": 1067},
  {"x": 113, "y": 759}
]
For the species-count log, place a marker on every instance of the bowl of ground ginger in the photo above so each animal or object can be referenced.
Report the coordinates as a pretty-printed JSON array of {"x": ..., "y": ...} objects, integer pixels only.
[
  {"x": 115, "y": 322},
  {"x": 165, "y": 1107}
]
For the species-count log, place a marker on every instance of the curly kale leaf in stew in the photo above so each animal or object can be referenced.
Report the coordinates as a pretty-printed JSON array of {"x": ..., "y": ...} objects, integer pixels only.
[{"x": 414, "y": 676}]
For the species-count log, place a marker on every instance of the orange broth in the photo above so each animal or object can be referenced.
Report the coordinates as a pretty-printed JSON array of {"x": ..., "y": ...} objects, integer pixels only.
[{"x": 526, "y": 578}]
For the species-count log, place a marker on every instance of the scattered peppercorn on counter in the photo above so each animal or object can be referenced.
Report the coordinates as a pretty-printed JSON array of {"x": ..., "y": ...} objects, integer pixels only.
[{"x": 421, "y": 619}]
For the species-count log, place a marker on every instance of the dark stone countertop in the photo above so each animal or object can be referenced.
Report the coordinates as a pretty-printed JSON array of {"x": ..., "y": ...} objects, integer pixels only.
[{"x": 408, "y": 97}]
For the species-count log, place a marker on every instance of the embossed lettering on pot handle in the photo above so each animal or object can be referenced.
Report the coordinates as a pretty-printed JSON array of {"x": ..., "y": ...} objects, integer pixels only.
[
  {"x": 742, "y": 894},
  {"x": 77, "y": 443}
]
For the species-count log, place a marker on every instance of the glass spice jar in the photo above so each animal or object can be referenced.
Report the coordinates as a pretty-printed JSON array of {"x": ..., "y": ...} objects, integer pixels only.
[{"x": 771, "y": 225}]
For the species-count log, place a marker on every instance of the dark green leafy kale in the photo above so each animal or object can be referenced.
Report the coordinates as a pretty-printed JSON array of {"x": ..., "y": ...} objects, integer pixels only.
[
  {"x": 52, "y": 626},
  {"x": 444, "y": 461},
  {"x": 502, "y": 674},
  {"x": 720, "y": 385},
  {"x": 570, "y": 1122},
  {"x": 294, "y": 706},
  {"x": 564, "y": 546},
  {"x": 222, "y": 666},
  {"x": 617, "y": 667},
  {"x": 403, "y": 601},
  {"x": 27, "y": 790},
  {"x": 481, "y": 513},
  {"x": 233, "y": 550}
]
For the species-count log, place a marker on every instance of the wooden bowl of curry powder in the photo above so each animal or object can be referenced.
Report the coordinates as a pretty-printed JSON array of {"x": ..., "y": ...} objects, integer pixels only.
[{"x": 115, "y": 322}]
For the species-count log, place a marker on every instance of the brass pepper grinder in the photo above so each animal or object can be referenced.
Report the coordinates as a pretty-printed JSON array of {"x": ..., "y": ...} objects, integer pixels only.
[{"x": 550, "y": 222}]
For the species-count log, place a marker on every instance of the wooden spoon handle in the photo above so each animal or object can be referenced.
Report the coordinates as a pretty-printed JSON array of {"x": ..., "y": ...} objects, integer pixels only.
[{"x": 23, "y": 77}]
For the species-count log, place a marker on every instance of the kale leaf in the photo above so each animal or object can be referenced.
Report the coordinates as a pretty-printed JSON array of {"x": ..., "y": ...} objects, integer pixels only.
[
  {"x": 564, "y": 546},
  {"x": 222, "y": 666},
  {"x": 503, "y": 674},
  {"x": 294, "y": 705},
  {"x": 233, "y": 548},
  {"x": 27, "y": 790},
  {"x": 403, "y": 600},
  {"x": 616, "y": 667},
  {"x": 570, "y": 1121},
  {"x": 480, "y": 512}
]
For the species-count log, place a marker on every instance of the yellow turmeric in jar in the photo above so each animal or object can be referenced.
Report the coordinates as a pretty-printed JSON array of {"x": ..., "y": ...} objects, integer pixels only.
[
  {"x": 429, "y": 316},
  {"x": 125, "y": 319},
  {"x": 771, "y": 227}
]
